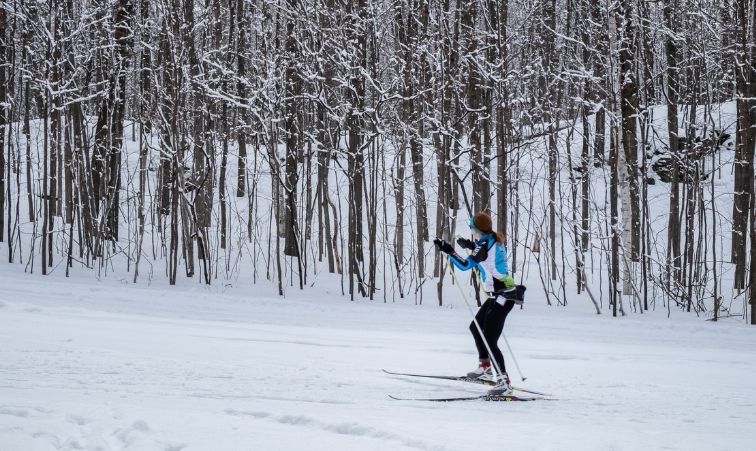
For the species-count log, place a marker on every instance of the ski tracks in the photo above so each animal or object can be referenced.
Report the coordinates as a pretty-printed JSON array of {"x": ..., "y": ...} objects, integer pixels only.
[
  {"x": 37, "y": 428},
  {"x": 354, "y": 429}
]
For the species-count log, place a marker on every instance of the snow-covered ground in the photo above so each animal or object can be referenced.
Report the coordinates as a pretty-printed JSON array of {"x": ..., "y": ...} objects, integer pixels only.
[{"x": 87, "y": 364}]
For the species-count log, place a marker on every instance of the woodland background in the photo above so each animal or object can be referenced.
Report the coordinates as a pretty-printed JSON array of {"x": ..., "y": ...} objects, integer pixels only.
[{"x": 280, "y": 140}]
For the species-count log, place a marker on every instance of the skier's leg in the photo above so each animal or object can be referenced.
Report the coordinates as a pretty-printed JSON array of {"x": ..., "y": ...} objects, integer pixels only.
[
  {"x": 493, "y": 327},
  {"x": 480, "y": 317}
]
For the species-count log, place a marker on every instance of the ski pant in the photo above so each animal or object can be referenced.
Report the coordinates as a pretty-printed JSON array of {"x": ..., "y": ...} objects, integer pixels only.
[{"x": 491, "y": 317}]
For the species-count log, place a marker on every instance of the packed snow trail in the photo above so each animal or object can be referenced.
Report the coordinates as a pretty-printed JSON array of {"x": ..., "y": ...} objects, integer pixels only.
[{"x": 88, "y": 364}]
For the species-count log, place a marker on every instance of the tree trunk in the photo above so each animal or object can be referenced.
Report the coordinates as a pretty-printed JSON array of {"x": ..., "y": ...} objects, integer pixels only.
[
  {"x": 355, "y": 157},
  {"x": 499, "y": 11},
  {"x": 745, "y": 141},
  {"x": 673, "y": 251},
  {"x": 3, "y": 120},
  {"x": 745, "y": 136},
  {"x": 600, "y": 69},
  {"x": 293, "y": 86},
  {"x": 629, "y": 113},
  {"x": 242, "y": 93}
]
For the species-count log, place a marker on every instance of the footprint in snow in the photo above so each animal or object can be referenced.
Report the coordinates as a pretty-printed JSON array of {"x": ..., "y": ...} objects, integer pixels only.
[
  {"x": 355, "y": 429},
  {"x": 77, "y": 420},
  {"x": 53, "y": 439},
  {"x": 256, "y": 414},
  {"x": 293, "y": 419},
  {"x": 128, "y": 435},
  {"x": 140, "y": 426},
  {"x": 20, "y": 413}
]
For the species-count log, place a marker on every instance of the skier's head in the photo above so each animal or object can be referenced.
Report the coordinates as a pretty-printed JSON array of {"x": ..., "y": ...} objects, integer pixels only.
[{"x": 482, "y": 224}]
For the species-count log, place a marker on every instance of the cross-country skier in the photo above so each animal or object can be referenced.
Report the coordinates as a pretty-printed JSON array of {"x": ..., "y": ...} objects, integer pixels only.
[{"x": 489, "y": 256}]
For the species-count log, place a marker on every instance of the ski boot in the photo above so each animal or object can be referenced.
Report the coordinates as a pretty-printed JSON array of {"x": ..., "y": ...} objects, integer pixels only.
[
  {"x": 482, "y": 371},
  {"x": 503, "y": 386}
]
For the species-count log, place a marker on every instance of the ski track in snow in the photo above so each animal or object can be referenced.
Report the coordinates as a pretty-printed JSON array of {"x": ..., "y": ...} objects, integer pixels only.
[
  {"x": 185, "y": 369},
  {"x": 352, "y": 428}
]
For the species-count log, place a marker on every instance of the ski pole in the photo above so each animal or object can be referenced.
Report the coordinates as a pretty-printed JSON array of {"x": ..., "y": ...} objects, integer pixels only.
[{"x": 513, "y": 357}]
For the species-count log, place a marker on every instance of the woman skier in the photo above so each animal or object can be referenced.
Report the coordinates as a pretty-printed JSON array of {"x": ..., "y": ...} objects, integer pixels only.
[{"x": 489, "y": 256}]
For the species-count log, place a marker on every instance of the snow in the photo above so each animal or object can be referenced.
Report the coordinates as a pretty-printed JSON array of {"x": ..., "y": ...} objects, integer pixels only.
[{"x": 104, "y": 364}]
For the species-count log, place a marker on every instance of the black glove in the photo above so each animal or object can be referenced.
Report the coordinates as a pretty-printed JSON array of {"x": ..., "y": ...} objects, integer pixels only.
[
  {"x": 466, "y": 244},
  {"x": 443, "y": 246}
]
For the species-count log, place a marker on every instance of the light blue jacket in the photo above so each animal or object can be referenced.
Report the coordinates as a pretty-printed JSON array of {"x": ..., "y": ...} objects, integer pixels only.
[{"x": 490, "y": 257}]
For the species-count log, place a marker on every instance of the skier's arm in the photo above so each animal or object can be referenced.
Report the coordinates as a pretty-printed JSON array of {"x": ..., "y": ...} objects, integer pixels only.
[{"x": 464, "y": 264}]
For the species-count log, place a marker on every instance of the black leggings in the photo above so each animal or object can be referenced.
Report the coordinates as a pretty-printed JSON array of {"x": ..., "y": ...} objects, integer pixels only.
[{"x": 491, "y": 317}]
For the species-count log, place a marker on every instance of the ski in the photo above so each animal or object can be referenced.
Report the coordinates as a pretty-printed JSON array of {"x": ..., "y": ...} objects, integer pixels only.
[
  {"x": 447, "y": 378},
  {"x": 464, "y": 379},
  {"x": 486, "y": 397}
]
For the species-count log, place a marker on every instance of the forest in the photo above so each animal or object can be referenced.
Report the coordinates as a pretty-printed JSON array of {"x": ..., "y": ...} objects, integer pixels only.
[{"x": 289, "y": 141}]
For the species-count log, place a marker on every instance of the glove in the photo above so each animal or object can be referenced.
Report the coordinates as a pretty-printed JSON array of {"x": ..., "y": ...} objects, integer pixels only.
[
  {"x": 508, "y": 281},
  {"x": 443, "y": 246},
  {"x": 466, "y": 244}
]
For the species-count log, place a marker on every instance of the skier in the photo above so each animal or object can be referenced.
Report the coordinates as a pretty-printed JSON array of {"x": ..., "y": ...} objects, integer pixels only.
[{"x": 489, "y": 258}]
